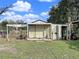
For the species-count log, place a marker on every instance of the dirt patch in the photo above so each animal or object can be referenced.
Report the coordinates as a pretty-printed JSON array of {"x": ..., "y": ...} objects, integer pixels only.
[{"x": 4, "y": 48}]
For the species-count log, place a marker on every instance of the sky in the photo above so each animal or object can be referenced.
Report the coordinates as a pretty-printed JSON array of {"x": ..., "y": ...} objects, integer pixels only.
[{"x": 27, "y": 10}]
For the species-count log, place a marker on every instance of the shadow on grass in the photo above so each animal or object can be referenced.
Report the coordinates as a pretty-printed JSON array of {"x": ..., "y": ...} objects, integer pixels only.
[{"x": 73, "y": 44}]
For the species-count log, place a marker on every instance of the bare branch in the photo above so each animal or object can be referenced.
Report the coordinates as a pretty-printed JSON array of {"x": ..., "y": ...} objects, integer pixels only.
[{"x": 2, "y": 10}]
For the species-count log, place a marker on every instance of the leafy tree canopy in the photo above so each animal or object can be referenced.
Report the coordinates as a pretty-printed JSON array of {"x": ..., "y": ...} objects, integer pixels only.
[{"x": 65, "y": 9}]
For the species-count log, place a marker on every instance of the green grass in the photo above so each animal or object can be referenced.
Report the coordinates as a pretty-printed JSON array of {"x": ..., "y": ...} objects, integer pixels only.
[{"x": 41, "y": 50}]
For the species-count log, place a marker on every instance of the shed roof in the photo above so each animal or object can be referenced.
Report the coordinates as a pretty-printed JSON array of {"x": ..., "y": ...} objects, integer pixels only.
[
  {"x": 16, "y": 25},
  {"x": 38, "y": 21}
]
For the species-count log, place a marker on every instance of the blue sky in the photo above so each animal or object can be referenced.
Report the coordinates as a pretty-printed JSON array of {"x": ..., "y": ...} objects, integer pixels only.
[{"x": 27, "y": 10}]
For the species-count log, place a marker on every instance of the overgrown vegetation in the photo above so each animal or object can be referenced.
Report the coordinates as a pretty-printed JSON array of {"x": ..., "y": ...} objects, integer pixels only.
[{"x": 40, "y": 50}]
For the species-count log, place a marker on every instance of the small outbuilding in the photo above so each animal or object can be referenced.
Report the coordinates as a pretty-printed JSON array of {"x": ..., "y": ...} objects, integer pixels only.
[{"x": 41, "y": 30}]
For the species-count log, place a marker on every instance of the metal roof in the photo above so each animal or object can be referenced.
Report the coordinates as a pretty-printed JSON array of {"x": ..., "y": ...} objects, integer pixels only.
[{"x": 16, "y": 25}]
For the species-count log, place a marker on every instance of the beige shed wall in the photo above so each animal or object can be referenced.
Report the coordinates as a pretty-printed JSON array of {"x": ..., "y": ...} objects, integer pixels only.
[
  {"x": 39, "y": 31},
  {"x": 31, "y": 31}
]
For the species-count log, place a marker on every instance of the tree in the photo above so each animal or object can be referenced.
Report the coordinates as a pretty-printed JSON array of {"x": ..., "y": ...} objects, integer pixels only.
[
  {"x": 20, "y": 22},
  {"x": 4, "y": 23},
  {"x": 59, "y": 14},
  {"x": 54, "y": 15},
  {"x": 65, "y": 9},
  {"x": 11, "y": 21}
]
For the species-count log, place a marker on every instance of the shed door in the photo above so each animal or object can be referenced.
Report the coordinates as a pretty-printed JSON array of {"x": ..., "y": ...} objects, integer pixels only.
[
  {"x": 39, "y": 31},
  {"x": 47, "y": 32},
  {"x": 31, "y": 31}
]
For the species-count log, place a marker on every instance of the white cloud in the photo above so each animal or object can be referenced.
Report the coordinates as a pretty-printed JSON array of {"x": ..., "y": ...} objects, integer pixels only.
[
  {"x": 8, "y": 13},
  {"x": 54, "y": 1},
  {"x": 31, "y": 17},
  {"x": 44, "y": 14},
  {"x": 21, "y": 6},
  {"x": 26, "y": 18},
  {"x": 14, "y": 17},
  {"x": 45, "y": 0}
]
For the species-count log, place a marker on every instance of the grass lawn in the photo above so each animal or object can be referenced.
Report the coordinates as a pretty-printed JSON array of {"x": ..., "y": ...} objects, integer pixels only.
[{"x": 22, "y": 49}]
